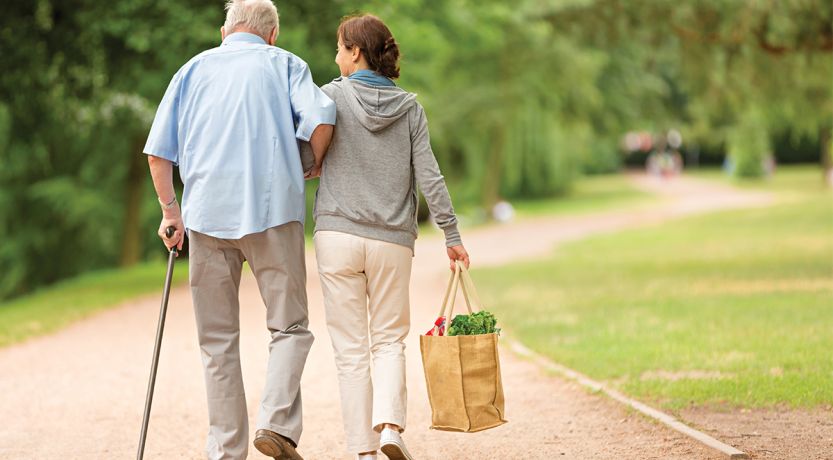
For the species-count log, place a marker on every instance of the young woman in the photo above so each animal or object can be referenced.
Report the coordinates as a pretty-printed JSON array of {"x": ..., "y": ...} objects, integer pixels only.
[{"x": 365, "y": 227}]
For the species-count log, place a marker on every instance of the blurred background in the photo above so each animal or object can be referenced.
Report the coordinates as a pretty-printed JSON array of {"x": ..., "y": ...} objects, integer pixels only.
[{"x": 524, "y": 99}]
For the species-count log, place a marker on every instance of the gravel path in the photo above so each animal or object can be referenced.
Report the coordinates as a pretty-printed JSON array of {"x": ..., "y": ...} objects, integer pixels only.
[{"x": 78, "y": 394}]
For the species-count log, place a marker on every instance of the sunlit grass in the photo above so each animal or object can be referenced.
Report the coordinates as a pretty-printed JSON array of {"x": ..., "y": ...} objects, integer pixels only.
[
  {"x": 732, "y": 308},
  {"x": 589, "y": 194},
  {"x": 52, "y": 308}
]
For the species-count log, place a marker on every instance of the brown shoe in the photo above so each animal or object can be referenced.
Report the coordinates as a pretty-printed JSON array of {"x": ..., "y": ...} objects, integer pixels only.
[{"x": 276, "y": 446}]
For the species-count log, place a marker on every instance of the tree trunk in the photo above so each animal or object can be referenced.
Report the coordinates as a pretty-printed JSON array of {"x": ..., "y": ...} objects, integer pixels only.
[
  {"x": 491, "y": 178},
  {"x": 137, "y": 171}
]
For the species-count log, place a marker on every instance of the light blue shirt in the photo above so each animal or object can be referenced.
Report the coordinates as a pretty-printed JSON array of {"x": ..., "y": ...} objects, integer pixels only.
[{"x": 231, "y": 119}]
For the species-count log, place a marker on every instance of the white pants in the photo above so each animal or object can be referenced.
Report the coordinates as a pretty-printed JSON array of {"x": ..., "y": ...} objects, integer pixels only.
[{"x": 365, "y": 284}]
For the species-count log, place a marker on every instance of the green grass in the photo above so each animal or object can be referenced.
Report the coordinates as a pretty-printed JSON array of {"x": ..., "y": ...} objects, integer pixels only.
[
  {"x": 790, "y": 178},
  {"x": 52, "y": 308},
  {"x": 588, "y": 194},
  {"x": 733, "y": 308}
]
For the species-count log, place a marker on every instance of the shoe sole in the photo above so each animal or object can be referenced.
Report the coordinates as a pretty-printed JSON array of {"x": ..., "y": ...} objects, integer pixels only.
[
  {"x": 268, "y": 446},
  {"x": 394, "y": 452}
]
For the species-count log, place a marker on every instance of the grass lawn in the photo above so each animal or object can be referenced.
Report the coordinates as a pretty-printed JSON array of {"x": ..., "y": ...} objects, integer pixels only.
[
  {"x": 788, "y": 178},
  {"x": 54, "y": 307},
  {"x": 729, "y": 309},
  {"x": 588, "y": 194}
]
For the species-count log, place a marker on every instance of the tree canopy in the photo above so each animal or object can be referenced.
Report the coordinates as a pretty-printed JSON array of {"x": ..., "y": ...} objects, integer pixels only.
[{"x": 522, "y": 97}]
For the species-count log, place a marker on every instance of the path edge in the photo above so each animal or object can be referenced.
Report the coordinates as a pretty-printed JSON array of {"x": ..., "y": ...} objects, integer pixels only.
[{"x": 666, "y": 419}]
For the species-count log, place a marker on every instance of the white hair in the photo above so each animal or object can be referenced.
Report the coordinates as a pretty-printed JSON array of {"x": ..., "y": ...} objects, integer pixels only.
[{"x": 261, "y": 16}]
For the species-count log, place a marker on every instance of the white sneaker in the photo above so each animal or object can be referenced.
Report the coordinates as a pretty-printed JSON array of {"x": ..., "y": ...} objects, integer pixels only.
[{"x": 393, "y": 446}]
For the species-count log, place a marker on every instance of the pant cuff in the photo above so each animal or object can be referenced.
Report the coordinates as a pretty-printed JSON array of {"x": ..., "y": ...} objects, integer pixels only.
[
  {"x": 359, "y": 448},
  {"x": 377, "y": 427},
  {"x": 293, "y": 435}
]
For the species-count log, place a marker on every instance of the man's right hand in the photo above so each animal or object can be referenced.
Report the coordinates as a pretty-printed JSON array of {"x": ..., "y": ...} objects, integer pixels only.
[
  {"x": 162, "y": 172},
  {"x": 173, "y": 219}
]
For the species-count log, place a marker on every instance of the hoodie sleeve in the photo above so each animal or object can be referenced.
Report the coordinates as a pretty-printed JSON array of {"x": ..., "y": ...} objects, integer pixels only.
[{"x": 430, "y": 180}]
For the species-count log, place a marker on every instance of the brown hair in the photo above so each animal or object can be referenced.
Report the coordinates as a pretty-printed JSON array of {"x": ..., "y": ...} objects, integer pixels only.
[{"x": 374, "y": 40}]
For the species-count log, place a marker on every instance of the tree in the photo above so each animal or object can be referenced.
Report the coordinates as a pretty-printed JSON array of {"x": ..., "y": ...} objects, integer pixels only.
[
  {"x": 729, "y": 58},
  {"x": 83, "y": 80},
  {"x": 521, "y": 98}
]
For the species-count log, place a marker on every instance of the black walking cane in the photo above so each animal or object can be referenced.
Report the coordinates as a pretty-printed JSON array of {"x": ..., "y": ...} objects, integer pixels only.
[{"x": 169, "y": 232}]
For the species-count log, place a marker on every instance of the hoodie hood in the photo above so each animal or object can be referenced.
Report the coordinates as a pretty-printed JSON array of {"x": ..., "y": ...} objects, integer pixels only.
[{"x": 376, "y": 107}]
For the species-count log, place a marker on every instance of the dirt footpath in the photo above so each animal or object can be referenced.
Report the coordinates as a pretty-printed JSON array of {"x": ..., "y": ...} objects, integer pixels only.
[{"x": 78, "y": 394}]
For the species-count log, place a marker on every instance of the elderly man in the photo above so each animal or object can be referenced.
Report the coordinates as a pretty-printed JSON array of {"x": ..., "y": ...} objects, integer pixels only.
[{"x": 231, "y": 119}]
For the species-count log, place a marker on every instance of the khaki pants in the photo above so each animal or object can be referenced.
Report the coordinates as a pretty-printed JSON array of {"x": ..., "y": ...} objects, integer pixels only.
[
  {"x": 276, "y": 257},
  {"x": 365, "y": 284}
]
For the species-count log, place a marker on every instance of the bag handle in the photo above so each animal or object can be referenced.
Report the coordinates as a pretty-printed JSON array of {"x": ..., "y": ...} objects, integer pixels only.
[
  {"x": 457, "y": 279},
  {"x": 452, "y": 284},
  {"x": 469, "y": 291}
]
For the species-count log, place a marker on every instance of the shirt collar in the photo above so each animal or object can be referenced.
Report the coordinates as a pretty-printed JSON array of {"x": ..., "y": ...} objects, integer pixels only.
[
  {"x": 243, "y": 37},
  {"x": 371, "y": 78}
]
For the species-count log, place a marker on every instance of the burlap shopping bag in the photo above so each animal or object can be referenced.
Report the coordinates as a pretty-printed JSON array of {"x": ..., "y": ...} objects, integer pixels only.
[{"x": 462, "y": 373}]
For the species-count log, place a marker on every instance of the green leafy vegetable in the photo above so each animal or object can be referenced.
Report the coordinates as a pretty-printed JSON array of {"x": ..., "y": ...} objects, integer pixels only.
[{"x": 481, "y": 322}]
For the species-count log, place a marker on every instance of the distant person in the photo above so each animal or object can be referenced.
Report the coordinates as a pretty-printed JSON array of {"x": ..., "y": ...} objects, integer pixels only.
[
  {"x": 503, "y": 211},
  {"x": 231, "y": 118},
  {"x": 664, "y": 164},
  {"x": 676, "y": 162},
  {"x": 365, "y": 227}
]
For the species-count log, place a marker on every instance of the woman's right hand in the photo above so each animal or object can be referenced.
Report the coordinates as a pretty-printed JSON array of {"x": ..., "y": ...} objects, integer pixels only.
[{"x": 456, "y": 253}]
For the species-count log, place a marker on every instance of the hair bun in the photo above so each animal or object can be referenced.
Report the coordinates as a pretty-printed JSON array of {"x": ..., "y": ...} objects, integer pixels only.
[{"x": 375, "y": 41}]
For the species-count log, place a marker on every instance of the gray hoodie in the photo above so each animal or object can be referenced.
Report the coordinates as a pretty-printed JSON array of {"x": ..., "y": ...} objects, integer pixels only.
[{"x": 379, "y": 154}]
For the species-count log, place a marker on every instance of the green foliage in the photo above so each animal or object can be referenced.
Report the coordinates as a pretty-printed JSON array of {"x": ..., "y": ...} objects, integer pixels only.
[
  {"x": 479, "y": 322},
  {"x": 83, "y": 80},
  {"x": 521, "y": 98},
  {"x": 603, "y": 157},
  {"x": 749, "y": 146},
  {"x": 488, "y": 75},
  {"x": 702, "y": 66}
]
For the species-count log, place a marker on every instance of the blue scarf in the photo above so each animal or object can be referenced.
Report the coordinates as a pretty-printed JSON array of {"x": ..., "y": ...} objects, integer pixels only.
[{"x": 371, "y": 78}]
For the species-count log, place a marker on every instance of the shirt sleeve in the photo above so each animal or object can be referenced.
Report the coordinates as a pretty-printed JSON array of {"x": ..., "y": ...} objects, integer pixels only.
[
  {"x": 163, "y": 140},
  {"x": 310, "y": 106}
]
